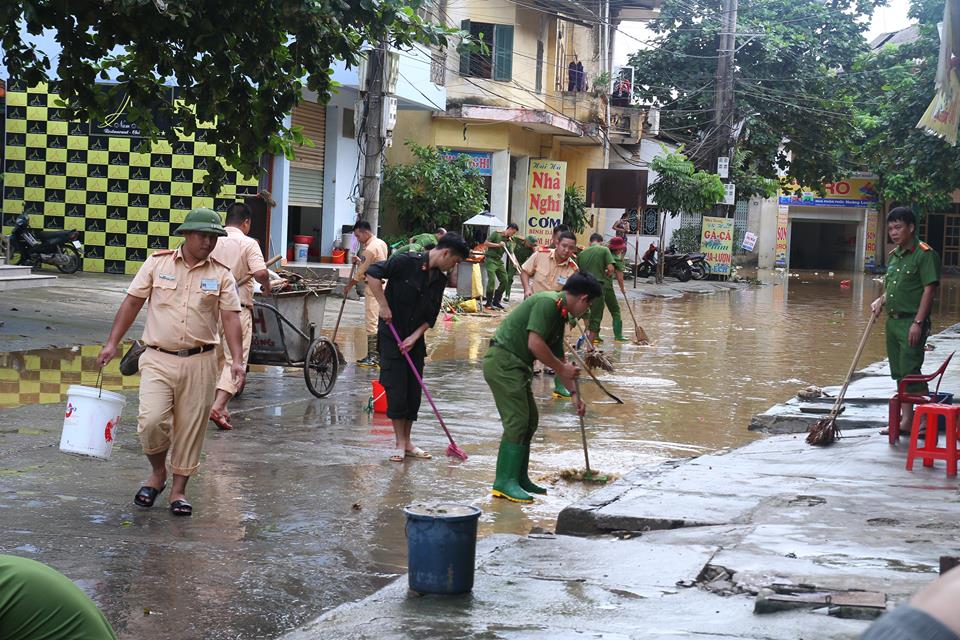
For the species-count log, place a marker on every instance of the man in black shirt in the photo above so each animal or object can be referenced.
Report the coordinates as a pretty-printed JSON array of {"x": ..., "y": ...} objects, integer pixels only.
[{"x": 411, "y": 302}]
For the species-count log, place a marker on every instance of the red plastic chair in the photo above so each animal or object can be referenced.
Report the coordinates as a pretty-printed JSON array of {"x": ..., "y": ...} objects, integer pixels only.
[
  {"x": 903, "y": 397},
  {"x": 929, "y": 451}
]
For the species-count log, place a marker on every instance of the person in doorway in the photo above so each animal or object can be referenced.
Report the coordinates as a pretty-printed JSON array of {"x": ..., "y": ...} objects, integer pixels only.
[
  {"x": 913, "y": 274},
  {"x": 522, "y": 249},
  {"x": 597, "y": 260},
  {"x": 189, "y": 293},
  {"x": 534, "y": 330},
  {"x": 244, "y": 257},
  {"x": 411, "y": 302},
  {"x": 37, "y": 601},
  {"x": 493, "y": 262},
  {"x": 373, "y": 250}
]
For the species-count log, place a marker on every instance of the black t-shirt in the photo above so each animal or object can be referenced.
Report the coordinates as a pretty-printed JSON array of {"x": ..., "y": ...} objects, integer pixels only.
[{"x": 414, "y": 293}]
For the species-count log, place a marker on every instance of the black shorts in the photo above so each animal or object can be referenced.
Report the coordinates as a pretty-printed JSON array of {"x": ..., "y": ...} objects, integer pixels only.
[{"x": 403, "y": 390}]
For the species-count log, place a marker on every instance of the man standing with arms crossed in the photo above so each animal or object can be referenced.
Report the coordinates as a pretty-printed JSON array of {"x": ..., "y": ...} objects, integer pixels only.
[
  {"x": 913, "y": 274},
  {"x": 190, "y": 295},
  {"x": 374, "y": 250},
  {"x": 244, "y": 257}
]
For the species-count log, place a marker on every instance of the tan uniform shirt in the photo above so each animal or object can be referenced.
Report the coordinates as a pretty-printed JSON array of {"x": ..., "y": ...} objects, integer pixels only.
[
  {"x": 375, "y": 250},
  {"x": 184, "y": 303},
  {"x": 242, "y": 254},
  {"x": 545, "y": 273}
]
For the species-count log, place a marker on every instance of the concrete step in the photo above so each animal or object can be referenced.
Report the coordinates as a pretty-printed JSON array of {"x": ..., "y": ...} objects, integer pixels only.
[
  {"x": 9, "y": 270},
  {"x": 17, "y": 277}
]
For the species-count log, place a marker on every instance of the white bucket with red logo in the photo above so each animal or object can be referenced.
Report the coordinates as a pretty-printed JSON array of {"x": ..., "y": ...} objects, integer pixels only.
[{"x": 90, "y": 421}]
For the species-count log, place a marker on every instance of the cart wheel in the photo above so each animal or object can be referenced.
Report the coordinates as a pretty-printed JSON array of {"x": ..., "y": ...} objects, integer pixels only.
[{"x": 320, "y": 367}]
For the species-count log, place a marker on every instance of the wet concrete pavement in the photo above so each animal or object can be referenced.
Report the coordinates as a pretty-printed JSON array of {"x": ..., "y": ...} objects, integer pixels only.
[{"x": 298, "y": 510}]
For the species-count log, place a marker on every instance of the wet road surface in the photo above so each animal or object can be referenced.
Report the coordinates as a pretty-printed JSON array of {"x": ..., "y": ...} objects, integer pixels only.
[{"x": 298, "y": 509}]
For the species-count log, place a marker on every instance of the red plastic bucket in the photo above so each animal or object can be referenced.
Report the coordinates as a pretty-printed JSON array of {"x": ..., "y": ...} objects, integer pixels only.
[
  {"x": 307, "y": 240},
  {"x": 339, "y": 256},
  {"x": 379, "y": 397}
]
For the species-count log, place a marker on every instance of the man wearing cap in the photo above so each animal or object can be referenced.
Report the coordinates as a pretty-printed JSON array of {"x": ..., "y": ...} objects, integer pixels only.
[
  {"x": 374, "y": 250},
  {"x": 618, "y": 247},
  {"x": 243, "y": 255},
  {"x": 522, "y": 249},
  {"x": 190, "y": 294},
  {"x": 493, "y": 263}
]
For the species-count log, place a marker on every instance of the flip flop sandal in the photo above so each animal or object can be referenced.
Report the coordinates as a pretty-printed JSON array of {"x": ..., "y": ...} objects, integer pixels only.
[
  {"x": 417, "y": 452},
  {"x": 397, "y": 456},
  {"x": 147, "y": 496},
  {"x": 181, "y": 508},
  {"x": 222, "y": 423}
]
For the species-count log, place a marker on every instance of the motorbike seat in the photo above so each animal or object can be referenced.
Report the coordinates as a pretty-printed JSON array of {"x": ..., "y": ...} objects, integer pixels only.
[{"x": 54, "y": 235}]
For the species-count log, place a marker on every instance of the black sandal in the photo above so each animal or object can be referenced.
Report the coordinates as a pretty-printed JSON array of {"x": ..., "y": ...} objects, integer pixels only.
[
  {"x": 181, "y": 508},
  {"x": 147, "y": 496}
]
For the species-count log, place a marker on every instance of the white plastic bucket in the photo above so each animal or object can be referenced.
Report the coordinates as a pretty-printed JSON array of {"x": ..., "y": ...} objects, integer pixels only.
[
  {"x": 300, "y": 252},
  {"x": 90, "y": 421}
]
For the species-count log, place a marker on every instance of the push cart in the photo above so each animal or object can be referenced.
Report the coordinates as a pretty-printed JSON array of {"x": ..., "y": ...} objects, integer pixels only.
[{"x": 286, "y": 329}]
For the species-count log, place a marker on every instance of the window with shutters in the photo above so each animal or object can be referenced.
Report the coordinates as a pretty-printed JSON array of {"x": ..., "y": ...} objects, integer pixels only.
[{"x": 495, "y": 60}]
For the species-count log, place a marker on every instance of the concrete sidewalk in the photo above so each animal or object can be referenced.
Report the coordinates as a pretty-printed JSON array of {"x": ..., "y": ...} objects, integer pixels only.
[{"x": 692, "y": 548}]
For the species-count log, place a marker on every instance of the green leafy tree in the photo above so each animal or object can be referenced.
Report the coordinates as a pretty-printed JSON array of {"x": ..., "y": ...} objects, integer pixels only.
[
  {"x": 433, "y": 191},
  {"x": 787, "y": 94},
  {"x": 892, "y": 88},
  {"x": 575, "y": 208},
  {"x": 680, "y": 187},
  {"x": 240, "y": 63}
]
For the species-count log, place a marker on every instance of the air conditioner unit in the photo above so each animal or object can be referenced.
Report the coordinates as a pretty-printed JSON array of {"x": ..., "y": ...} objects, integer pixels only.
[{"x": 653, "y": 121}]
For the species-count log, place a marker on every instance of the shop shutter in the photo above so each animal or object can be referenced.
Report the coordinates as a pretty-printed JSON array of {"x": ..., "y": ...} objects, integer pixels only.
[
  {"x": 306, "y": 170},
  {"x": 503, "y": 52}
]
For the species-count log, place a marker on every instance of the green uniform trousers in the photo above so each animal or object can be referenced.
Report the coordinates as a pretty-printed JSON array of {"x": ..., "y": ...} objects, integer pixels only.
[
  {"x": 510, "y": 380},
  {"x": 511, "y": 274},
  {"x": 496, "y": 273},
  {"x": 904, "y": 359},
  {"x": 609, "y": 298}
]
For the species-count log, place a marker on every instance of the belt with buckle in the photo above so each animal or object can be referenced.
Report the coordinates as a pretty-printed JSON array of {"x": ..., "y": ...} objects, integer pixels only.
[
  {"x": 900, "y": 316},
  {"x": 184, "y": 353}
]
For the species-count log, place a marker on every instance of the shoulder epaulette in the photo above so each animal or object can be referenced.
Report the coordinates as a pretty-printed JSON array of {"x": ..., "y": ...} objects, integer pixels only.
[
  {"x": 214, "y": 260},
  {"x": 924, "y": 246},
  {"x": 163, "y": 252},
  {"x": 890, "y": 253},
  {"x": 543, "y": 249}
]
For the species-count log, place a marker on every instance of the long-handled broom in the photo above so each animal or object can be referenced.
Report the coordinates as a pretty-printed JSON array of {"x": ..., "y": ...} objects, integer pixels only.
[
  {"x": 452, "y": 449},
  {"x": 825, "y": 430},
  {"x": 590, "y": 372},
  {"x": 639, "y": 335},
  {"x": 595, "y": 357},
  {"x": 588, "y": 475}
]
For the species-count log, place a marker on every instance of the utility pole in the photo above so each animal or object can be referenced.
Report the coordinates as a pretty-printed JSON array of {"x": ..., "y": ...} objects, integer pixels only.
[
  {"x": 373, "y": 137},
  {"x": 723, "y": 98}
]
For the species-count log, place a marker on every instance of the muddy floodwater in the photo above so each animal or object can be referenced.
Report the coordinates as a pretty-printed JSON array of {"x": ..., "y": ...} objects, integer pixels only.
[{"x": 299, "y": 510}]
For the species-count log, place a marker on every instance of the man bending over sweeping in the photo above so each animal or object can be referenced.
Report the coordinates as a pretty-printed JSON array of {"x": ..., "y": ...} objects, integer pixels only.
[
  {"x": 533, "y": 330},
  {"x": 411, "y": 302}
]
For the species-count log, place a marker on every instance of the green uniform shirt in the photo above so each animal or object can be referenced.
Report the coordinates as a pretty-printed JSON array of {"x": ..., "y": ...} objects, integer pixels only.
[
  {"x": 425, "y": 240},
  {"x": 415, "y": 247},
  {"x": 617, "y": 266},
  {"x": 494, "y": 253},
  {"x": 540, "y": 313},
  {"x": 520, "y": 249},
  {"x": 908, "y": 272},
  {"x": 594, "y": 260},
  {"x": 38, "y": 602}
]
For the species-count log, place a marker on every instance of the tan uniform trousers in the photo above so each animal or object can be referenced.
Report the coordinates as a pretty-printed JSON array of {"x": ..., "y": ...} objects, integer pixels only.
[
  {"x": 224, "y": 359},
  {"x": 371, "y": 309},
  {"x": 175, "y": 399}
]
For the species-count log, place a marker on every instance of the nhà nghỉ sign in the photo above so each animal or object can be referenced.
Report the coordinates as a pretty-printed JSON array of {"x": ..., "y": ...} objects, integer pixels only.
[
  {"x": 545, "y": 197},
  {"x": 716, "y": 243}
]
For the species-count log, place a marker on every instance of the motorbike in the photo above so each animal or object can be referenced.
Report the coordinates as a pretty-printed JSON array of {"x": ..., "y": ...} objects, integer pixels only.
[
  {"x": 58, "y": 248},
  {"x": 676, "y": 265},
  {"x": 699, "y": 268}
]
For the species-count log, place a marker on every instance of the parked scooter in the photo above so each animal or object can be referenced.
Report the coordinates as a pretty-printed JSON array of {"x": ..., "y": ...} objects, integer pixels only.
[
  {"x": 699, "y": 267},
  {"x": 59, "y": 248},
  {"x": 677, "y": 265}
]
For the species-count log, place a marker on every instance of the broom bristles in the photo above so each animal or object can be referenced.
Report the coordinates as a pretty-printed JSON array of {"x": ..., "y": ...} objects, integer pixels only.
[
  {"x": 596, "y": 359},
  {"x": 823, "y": 432}
]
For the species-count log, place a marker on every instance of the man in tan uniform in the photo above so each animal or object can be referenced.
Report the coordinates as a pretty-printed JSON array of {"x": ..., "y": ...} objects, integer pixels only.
[
  {"x": 548, "y": 270},
  {"x": 190, "y": 295},
  {"x": 244, "y": 257},
  {"x": 374, "y": 250}
]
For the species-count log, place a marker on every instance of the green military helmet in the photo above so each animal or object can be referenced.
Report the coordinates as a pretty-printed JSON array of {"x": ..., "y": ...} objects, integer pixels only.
[
  {"x": 203, "y": 220},
  {"x": 532, "y": 239}
]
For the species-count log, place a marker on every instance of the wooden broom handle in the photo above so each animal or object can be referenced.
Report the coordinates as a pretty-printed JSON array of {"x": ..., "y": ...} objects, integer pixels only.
[
  {"x": 853, "y": 365},
  {"x": 274, "y": 260}
]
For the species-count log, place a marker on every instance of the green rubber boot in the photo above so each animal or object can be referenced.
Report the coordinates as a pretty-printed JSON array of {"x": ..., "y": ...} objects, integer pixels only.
[
  {"x": 618, "y": 331},
  {"x": 509, "y": 463},
  {"x": 560, "y": 391},
  {"x": 525, "y": 482}
]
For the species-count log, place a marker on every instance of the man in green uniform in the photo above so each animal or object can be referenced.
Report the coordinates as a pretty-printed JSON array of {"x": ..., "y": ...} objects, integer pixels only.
[
  {"x": 39, "y": 602},
  {"x": 522, "y": 248},
  {"x": 597, "y": 260},
  {"x": 532, "y": 330},
  {"x": 618, "y": 247},
  {"x": 421, "y": 242},
  {"x": 493, "y": 262},
  {"x": 913, "y": 274}
]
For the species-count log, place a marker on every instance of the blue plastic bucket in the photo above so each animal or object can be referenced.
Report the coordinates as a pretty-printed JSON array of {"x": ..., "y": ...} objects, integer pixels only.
[{"x": 441, "y": 547}]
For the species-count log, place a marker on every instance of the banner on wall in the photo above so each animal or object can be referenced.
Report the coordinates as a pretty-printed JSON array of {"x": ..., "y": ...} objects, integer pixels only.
[
  {"x": 481, "y": 162},
  {"x": 545, "y": 197},
  {"x": 716, "y": 243},
  {"x": 852, "y": 192},
  {"x": 870, "y": 240},
  {"x": 780, "y": 253}
]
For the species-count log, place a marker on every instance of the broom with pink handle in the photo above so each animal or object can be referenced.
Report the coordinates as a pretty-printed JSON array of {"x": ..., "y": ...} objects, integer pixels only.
[{"x": 452, "y": 449}]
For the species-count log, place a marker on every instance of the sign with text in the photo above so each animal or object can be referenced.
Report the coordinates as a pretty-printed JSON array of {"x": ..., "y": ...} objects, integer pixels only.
[
  {"x": 870, "y": 240},
  {"x": 545, "y": 197},
  {"x": 783, "y": 220},
  {"x": 716, "y": 243},
  {"x": 117, "y": 122},
  {"x": 480, "y": 162},
  {"x": 749, "y": 241},
  {"x": 852, "y": 192}
]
